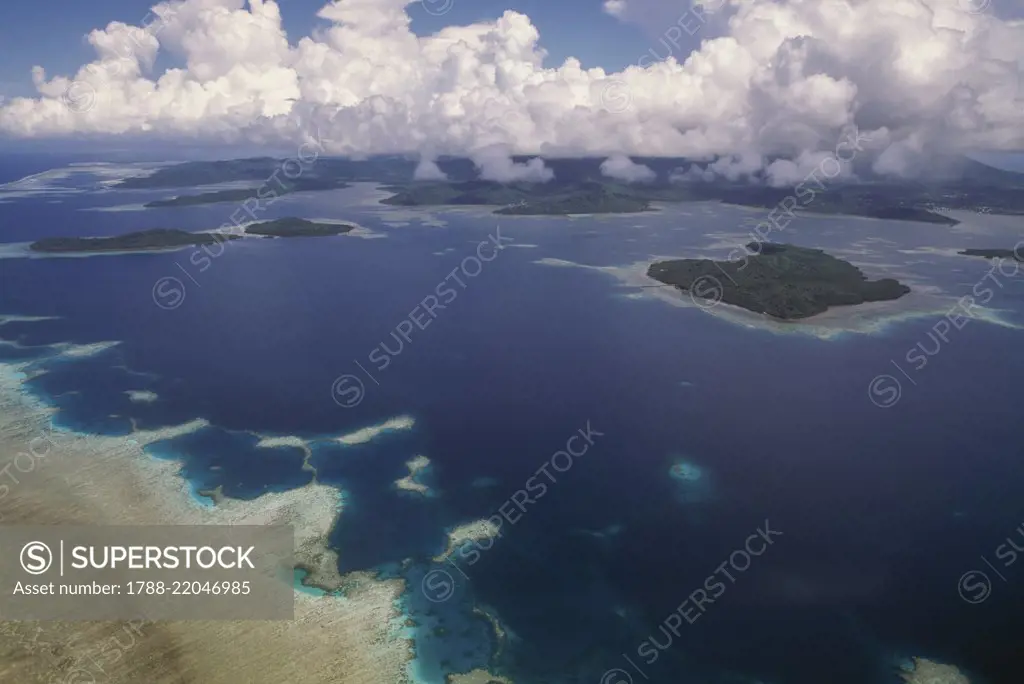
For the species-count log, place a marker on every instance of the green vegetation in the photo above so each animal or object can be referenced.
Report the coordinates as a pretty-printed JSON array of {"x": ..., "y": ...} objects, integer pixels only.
[
  {"x": 238, "y": 195},
  {"x": 264, "y": 192},
  {"x": 599, "y": 200},
  {"x": 296, "y": 227},
  {"x": 158, "y": 238},
  {"x": 192, "y": 174},
  {"x": 579, "y": 187},
  {"x": 900, "y": 203},
  {"x": 524, "y": 199},
  {"x": 779, "y": 280}
]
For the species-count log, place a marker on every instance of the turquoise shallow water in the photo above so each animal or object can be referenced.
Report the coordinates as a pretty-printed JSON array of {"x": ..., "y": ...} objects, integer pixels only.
[{"x": 881, "y": 510}]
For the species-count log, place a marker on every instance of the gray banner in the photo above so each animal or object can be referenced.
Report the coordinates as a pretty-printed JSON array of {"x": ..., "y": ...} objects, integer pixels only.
[{"x": 179, "y": 572}]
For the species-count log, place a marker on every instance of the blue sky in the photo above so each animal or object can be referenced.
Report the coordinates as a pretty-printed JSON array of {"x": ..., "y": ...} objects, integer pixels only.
[{"x": 38, "y": 33}]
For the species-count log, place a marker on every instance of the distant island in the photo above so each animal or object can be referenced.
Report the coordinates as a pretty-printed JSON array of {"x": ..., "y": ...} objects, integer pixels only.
[
  {"x": 167, "y": 238},
  {"x": 238, "y": 195},
  {"x": 523, "y": 199},
  {"x": 993, "y": 253},
  {"x": 296, "y": 227},
  {"x": 580, "y": 186},
  {"x": 783, "y": 281},
  {"x": 613, "y": 197},
  {"x": 157, "y": 238},
  {"x": 266, "y": 192}
]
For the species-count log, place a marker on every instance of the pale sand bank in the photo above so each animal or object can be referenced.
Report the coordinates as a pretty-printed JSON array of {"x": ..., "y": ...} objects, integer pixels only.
[
  {"x": 409, "y": 483},
  {"x": 80, "y": 350},
  {"x": 281, "y": 442},
  {"x": 109, "y": 480},
  {"x": 478, "y": 530},
  {"x": 288, "y": 441},
  {"x": 142, "y": 396},
  {"x": 367, "y": 434}
]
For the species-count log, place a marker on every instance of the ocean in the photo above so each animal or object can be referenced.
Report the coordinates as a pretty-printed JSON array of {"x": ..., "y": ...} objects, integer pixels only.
[{"x": 702, "y": 431}]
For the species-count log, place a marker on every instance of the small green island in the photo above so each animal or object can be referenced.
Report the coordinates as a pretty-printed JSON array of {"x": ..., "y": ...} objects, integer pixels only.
[
  {"x": 296, "y": 227},
  {"x": 993, "y": 253},
  {"x": 143, "y": 240},
  {"x": 780, "y": 280}
]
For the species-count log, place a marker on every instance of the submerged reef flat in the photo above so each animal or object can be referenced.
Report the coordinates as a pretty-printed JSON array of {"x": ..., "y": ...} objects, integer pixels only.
[
  {"x": 478, "y": 676},
  {"x": 478, "y": 530},
  {"x": 929, "y": 672},
  {"x": 694, "y": 483},
  {"x": 143, "y": 240},
  {"x": 100, "y": 480},
  {"x": 411, "y": 483},
  {"x": 780, "y": 280}
]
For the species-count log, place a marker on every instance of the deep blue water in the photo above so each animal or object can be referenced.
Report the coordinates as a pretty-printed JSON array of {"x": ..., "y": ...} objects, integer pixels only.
[{"x": 881, "y": 510}]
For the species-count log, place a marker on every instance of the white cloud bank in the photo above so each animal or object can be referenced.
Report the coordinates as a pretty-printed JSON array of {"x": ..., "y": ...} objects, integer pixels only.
[
  {"x": 621, "y": 167},
  {"x": 916, "y": 77}
]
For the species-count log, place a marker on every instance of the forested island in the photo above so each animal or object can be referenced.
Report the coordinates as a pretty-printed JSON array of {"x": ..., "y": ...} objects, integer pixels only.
[
  {"x": 780, "y": 280},
  {"x": 143, "y": 240},
  {"x": 296, "y": 227},
  {"x": 993, "y": 253},
  {"x": 580, "y": 186},
  {"x": 523, "y": 199},
  {"x": 265, "y": 193},
  {"x": 168, "y": 238}
]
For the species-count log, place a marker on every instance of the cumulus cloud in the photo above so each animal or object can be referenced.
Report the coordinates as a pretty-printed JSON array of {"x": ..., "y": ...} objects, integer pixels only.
[
  {"x": 621, "y": 167},
  {"x": 781, "y": 79},
  {"x": 496, "y": 164},
  {"x": 616, "y": 8},
  {"x": 428, "y": 169}
]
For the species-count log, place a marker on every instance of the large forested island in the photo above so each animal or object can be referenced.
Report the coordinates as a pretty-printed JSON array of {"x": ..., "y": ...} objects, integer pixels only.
[
  {"x": 143, "y": 240},
  {"x": 296, "y": 227},
  {"x": 780, "y": 280},
  {"x": 579, "y": 186}
]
